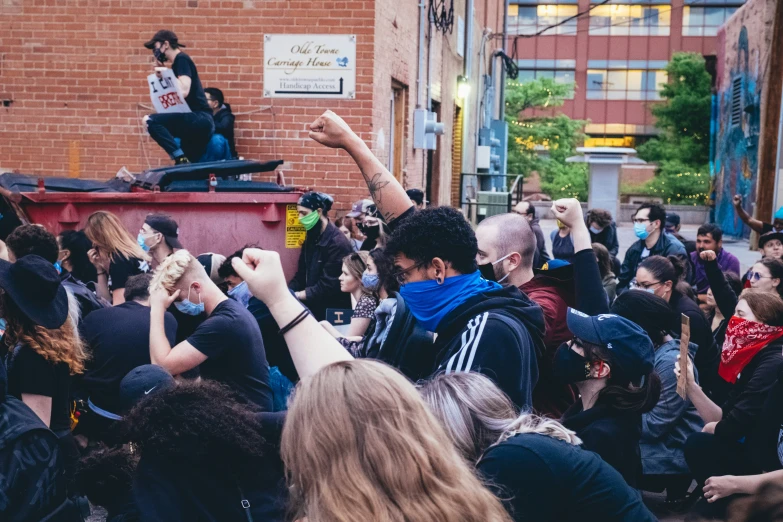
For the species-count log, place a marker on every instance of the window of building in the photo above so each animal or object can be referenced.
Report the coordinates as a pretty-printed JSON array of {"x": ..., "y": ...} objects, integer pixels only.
[
  {"x": 561, "y": 71},
  {"x": 624, "y": 84},
  {"x": 524, "y": 19},
  {"x": 633, "y": 20},
  {"x": 704, "y": 21}
]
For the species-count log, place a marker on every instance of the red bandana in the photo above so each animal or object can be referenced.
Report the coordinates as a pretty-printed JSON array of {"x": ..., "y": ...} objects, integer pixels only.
[{"x": 744, "y": 339}]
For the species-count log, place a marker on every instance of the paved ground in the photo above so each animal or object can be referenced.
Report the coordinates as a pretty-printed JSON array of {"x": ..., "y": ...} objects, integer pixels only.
[{"x": 626, "y": 237}]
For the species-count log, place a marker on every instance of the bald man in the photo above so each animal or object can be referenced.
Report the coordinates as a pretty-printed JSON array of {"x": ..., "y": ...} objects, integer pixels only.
[{"x": 508, "y": 243}]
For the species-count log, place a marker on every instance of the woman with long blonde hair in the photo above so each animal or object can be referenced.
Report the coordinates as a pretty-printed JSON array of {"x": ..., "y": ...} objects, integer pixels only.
[
  {"x": 359, "y": 444},
  {"x": 43, "y": 347},
  {"x": 535, "y": 464},
  {"x": 115, "y": 254}
]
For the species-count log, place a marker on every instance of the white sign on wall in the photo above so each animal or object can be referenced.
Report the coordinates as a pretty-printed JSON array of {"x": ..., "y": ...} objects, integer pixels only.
[
  {"x": 165, "y": 93},
  {"x": 309, "y": 66}
]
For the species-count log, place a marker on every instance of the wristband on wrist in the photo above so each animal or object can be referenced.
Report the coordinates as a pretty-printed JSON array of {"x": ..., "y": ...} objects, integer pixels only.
[{"x": 298, "y": 319}]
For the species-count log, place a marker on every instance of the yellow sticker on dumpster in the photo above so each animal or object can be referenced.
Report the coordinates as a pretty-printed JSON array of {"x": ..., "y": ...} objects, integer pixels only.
[{"x": 294, "y": 231}]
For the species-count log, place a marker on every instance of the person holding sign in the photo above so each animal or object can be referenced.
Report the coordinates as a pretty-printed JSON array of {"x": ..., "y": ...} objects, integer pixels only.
[{"x": 195, "y": 126}]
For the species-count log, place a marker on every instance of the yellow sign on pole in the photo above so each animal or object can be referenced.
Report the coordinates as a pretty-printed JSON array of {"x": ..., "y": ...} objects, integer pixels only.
[{"x": 294, "y": 231}]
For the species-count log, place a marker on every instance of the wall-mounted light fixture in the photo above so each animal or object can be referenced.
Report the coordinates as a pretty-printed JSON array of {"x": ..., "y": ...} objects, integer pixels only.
[{"x": 463, "y": 87}]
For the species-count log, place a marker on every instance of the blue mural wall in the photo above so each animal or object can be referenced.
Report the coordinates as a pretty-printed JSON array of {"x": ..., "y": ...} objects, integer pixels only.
[{"x": 737, "y": 141}]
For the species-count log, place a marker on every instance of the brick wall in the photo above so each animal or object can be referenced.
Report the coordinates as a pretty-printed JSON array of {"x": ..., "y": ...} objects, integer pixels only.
[{"x": 75, "y": 70}]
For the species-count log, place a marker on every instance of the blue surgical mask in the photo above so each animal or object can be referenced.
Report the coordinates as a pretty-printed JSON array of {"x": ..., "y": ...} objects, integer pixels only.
[
  {"x": 189, "y": 308},
  {"x": 370, "y": 281},
  {"x": 640, "y": 230},
  {"x": 142, "y": 244},
  {"x": 430, "y": 302},
  {"x": 596, "y": 230},
  {"x": 241, "y": 293},
  {"x": 58, "y": 267}
]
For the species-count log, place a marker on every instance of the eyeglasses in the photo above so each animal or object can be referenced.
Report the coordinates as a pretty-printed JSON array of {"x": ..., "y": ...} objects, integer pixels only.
[
  {"x": 401, "y": 276},
  {"x": 755, "y": 276},
  {"x": 641, "y": 220},
  {"x": 643, "y": 286}
]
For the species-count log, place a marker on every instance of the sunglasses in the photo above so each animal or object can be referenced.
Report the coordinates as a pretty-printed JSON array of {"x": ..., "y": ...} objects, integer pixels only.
[{"x": 755, "y": 276}]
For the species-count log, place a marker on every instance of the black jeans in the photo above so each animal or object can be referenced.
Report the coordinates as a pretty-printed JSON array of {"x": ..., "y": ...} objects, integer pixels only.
[
  {"x": 194, "y": 129},
  {"x": 709, "y": 456}
]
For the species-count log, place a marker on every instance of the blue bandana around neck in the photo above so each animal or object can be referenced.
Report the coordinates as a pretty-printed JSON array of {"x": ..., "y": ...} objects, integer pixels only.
[{"x": 430, "y": 302}]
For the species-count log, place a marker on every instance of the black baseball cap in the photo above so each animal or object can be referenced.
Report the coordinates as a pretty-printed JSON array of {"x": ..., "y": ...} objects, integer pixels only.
[
  {"x": 631, "y": 346},
  {"x": 672, "y": 219},
  {"x": 141, "y": 382},
  {"x": 417, "y": 196},
  {"x": 164, "y": 35},
  {"x": 166, "y": 226}
]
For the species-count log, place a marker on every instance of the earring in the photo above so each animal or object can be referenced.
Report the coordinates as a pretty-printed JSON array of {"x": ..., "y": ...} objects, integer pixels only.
[{"x": 440, "y": 281}]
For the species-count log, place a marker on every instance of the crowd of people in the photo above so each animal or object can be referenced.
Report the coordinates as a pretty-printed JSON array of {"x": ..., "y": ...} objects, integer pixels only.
[{"x": 476, "y": 377}]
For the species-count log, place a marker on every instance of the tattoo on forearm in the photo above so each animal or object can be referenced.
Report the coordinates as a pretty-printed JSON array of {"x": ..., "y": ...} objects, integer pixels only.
[{"x": 377, "y": 184}]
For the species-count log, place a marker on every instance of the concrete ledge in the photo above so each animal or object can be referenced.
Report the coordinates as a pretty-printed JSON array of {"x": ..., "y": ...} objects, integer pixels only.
[{"x": 689, "y": 215}]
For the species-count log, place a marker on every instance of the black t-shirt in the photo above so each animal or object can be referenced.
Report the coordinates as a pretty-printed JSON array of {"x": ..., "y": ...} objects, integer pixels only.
[
  {"x": 121, "y": 268},
  {"x": 119, "y": 341},
  {"x": 232, "y": 341},
  {"x": 196, "y": 99},
  {"x": 541, "y": 479},
  {"x": 29, "y": 372}
]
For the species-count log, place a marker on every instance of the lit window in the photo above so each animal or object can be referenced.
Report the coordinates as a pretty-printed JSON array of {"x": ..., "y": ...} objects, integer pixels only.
[
  {"x": 633, "y": 20},
  {"x": 611, "y": 141},
  {"x": 532, "y": 19},
  {"x": 624, "y": 84},
  {"x": 704, "y": 21}
]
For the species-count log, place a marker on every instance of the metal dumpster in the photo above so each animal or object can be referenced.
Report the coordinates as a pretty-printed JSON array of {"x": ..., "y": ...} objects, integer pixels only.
[{"x": 215, "y": 213}]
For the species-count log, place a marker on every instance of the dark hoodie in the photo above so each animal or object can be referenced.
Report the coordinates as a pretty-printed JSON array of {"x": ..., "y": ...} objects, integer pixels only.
[
  {"x": 224, "y": 125},
  {"x": 498, "y": 333},
  {"x": 541, "y": 256}
]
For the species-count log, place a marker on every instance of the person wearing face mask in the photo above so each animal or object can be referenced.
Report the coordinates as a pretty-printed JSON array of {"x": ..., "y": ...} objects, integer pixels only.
[
  {"x": 480, "y": 325},
  {"x": 352, "y": 282},
  {"x": 611, "y": 362},
  {"x": 227, "y": 346},
  {"x": 159, "y": 236},
  {"x": 603, "y": 230},
  {"x": 751, "y": 360},
  {"x": 648, "y": 222},
  {"x": 660, "y": 276},
  {"x": 316, "y": 282},
  {"x": 194, "y": 128},
  {"x": 506, "y": 252}
]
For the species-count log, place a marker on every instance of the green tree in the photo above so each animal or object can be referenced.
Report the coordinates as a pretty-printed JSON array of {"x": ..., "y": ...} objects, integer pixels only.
[
  {"x": 682, "y": 148},
  {"x": 542, "y": 144}
]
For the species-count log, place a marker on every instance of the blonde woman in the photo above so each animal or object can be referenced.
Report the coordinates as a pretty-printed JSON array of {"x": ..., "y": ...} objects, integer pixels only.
[
  {"x": 533, "y": 462},
  {"x": 115, "y": 254},
  {"x": 359, "y": 444},
  {"x": 43, "y": 347}
]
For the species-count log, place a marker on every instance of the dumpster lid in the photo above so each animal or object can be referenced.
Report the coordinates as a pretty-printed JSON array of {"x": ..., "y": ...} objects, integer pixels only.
[
  {"x": 163, "y": 176},
  {"x": 29, "y": 183}
]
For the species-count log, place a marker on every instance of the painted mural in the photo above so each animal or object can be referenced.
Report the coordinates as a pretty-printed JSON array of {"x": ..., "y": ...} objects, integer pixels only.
[{"x": 738, "y": 125}]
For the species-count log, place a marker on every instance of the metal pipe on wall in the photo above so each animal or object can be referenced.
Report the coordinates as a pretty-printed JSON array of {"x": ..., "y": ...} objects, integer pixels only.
[
  {"x": 420, "y": 76},
  {"x": 466, "y": 71}
]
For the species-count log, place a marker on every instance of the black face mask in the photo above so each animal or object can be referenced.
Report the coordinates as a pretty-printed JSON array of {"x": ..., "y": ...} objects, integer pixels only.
[
  {"x": 159, "y": 55},
  {"x": 569, "y": 367},
  {"x": 488, "y": 272}
]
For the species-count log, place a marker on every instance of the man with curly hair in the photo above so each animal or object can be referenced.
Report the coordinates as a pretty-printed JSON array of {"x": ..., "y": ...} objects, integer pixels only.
[
  {"x": 480, "y": 325},
  {"x": 227, "y": 347}
]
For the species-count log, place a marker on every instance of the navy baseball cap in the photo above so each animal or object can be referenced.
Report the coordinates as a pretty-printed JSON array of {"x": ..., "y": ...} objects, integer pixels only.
[
  {"x": 672, "y": 219},
  {"x": 629, "y": 344},
  {"x": 141, "y": 382}
]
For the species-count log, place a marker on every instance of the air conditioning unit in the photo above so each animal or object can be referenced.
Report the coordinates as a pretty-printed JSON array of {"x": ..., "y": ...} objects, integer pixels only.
[{"x": 492, "y": 203}]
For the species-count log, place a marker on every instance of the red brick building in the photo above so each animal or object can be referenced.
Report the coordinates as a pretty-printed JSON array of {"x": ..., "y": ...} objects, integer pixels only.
[
  {"x": 615, "y": 53},
  {"x": 72, "y": 85}
]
